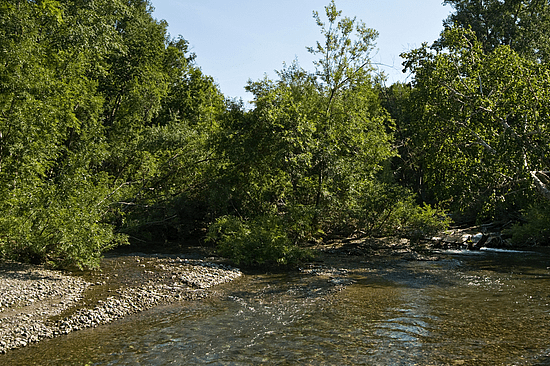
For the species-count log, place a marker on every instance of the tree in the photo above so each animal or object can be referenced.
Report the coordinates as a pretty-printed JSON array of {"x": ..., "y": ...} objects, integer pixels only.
[
  {"x": 103, "y": 124},
  {"x": 482, "y": 123},
  {"x": 353, "y": 112},
  {"x": 309, "y": 155},
  {"x": 523, "y": 25},
  {"x": 159, "y": 112},
  {"x": 396, "y": 99},
  {"x": 172, "y": 159},
  {"x": 51, "y": 196},
  {"x": 326, "y": 130}
]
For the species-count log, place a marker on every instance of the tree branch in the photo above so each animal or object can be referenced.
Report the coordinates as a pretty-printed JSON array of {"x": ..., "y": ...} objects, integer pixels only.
[{"x": 542, "y": 188}]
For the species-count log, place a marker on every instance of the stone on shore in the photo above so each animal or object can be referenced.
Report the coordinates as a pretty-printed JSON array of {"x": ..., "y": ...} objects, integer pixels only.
[{"x": 38, "y": 303}]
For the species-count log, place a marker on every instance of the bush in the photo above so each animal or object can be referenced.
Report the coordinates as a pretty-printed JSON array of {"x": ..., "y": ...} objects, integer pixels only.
[
  {"x": 534, "y": 230},
  {"x": 260, "y": 241},
  {"x": 63, "y": 226},
  {"x": 423, "y": 221},
  {"x": 388, "y": 209}
]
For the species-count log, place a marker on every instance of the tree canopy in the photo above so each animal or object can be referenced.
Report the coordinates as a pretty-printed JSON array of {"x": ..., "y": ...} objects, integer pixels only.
[
  {"x": 523, "y": 25},
  {"x": 482, "y": 121},
  {"x": 312, "y": 155},
  {"x": 110, "y": 133},
  {"x": 89, "y": 125}
]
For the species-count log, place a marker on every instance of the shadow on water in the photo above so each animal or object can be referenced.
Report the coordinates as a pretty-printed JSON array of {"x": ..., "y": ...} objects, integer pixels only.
[
  {"x": 543, "y": 361},
  {"x": 483, "y": 309}
]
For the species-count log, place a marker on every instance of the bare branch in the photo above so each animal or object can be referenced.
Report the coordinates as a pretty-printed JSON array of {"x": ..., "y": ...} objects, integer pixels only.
[{"x": 480, "y": 141}]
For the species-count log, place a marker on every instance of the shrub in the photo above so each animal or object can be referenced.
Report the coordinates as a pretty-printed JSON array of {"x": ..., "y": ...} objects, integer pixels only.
[
  {"x": 534, "y": 230},
  {"x": 423, "y": 221},
  {"x": 388, "y": 209},
  {"x": 63, "y": 225},
  {"x": 259, "y": 241}
]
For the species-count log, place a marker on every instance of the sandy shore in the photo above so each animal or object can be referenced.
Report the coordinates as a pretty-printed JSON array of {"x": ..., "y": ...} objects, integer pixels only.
[{"x": 38, "y": 303}]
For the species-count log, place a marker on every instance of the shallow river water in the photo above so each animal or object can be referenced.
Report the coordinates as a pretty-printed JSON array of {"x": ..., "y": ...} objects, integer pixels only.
[{"x": 468, "y": 308}]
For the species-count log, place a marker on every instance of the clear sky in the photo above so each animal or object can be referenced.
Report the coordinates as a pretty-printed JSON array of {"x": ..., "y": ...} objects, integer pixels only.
[{"x": 244, "y": 39}]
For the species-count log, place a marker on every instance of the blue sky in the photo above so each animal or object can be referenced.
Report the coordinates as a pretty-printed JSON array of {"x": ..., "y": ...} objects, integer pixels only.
[{"x": 244, "y": 39}]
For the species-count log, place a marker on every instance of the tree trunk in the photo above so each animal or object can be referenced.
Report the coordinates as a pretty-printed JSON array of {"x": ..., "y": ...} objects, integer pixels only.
[{"x": 541, "y": 186}]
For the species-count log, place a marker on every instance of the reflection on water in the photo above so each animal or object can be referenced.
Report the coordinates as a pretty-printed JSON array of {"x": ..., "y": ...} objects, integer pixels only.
[{"x": 483, "y": 309}]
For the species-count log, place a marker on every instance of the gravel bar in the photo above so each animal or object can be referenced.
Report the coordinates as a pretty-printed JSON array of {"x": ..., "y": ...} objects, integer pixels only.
[{"x": 38, "y": 303}]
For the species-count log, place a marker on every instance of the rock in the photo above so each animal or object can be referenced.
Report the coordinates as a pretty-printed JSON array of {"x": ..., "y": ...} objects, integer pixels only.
[
  {"x": 477, "y": 238},
  {"x": 495, "y": 241},
  {"x": 477, "y": 241},
  {"x": 55, "y": 293}
]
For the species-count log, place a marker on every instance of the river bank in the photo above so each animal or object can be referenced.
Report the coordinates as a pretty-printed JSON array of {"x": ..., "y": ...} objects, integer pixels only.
[
  {"x": 39, "y": 303},
  {"x": 389, "y": 307}
]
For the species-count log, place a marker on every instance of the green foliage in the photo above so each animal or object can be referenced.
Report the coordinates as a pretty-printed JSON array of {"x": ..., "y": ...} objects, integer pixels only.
[
  {"x": 259, "y": 241},
  {"x": 103, "y": 127},
  {"x": 51, "y": 139},
  {"x": 534, "y": 230},
  {"x": 345, "y": 53},
  {"x": 423, "y": 221},
  {"x": 480, "y": 124},
  {"x": 160, "y": 111},
  {"x": 64, "y": 227},
  {"x": 168, "y": 197},
  {"x": 523, "y": 25},
  {"x": 109, "y": 131},
  {"x": 313, "y": 140},
  {"x": 312, "y": 157},
  {"x": 389, "y": 209},
  {"x": 406, "y": 166}
]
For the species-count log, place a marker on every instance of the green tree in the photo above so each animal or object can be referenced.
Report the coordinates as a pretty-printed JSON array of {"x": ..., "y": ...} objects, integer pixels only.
[
  {"x": 481, "y": 123},
  {"x": 52, "y": 199},
  {"x": 353, "y": 120},
  {"x": 314, "y": 141},
  {"x": 523, "y": 25},
  {"x": 173, "y": 159},
  {"x": 104, "y": 127},
  {"x": 309, "y": 156},
  {"x": 396, "y": 99},
  {"x": 159, "y": 112}
]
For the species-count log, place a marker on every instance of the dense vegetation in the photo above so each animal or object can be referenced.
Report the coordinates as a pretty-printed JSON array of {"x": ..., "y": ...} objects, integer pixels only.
[
  {"x": 110, "y": 133},
  {"x": 475, "y": 118}
]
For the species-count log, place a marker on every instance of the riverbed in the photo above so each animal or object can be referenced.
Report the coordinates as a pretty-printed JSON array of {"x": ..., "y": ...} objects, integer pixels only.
[{"x": 457, "y": 308}]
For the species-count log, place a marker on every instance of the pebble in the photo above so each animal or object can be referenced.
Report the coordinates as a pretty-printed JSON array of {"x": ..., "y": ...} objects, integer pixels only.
[{"x": 32, "y": 295}]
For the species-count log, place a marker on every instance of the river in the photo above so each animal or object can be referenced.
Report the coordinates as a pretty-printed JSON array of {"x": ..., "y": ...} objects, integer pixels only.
[{"x": 466, "y": 308}]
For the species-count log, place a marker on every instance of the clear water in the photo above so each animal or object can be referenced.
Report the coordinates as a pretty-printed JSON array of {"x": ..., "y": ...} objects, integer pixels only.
[{"x": 491, "y": 308}]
